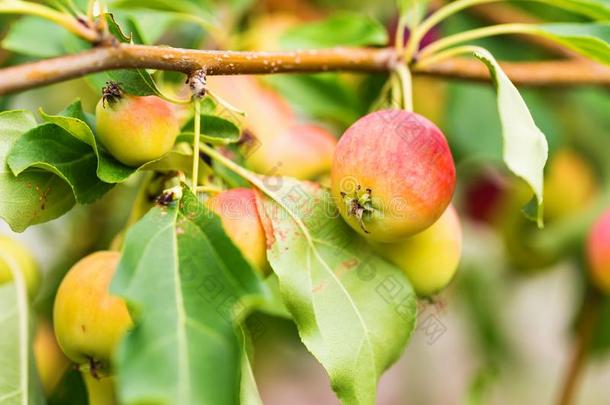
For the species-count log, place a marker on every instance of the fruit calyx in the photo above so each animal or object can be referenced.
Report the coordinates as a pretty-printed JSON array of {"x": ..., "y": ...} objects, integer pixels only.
[
  {"x": 111, "y": 93},
  {"x": 359, "y": 204}
]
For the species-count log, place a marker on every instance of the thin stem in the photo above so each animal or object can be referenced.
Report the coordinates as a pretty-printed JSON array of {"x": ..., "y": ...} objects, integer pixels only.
[
  {"x": 399, "y": 37},
  {"x": 209, "y": 189},
  {"x": 406, "y": 86},
  {"x": 476, "y": 34},
  {"x": 197, "y": 121},
  {"x": 436, "y": 58},
  {"x": 586, "y": 328},
  {"x": 449, "y": 9},
  {"x": 64, "y": 20}
]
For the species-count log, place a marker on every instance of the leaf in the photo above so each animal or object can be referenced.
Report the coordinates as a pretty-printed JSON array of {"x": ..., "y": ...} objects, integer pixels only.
[
  {"x": 354, "y": 311},
  {"x": 341, "y": 29},
  {"x": 18, "y": 379},
  {"x": 525, "y": 148},
  {"x": 186, "y": 285},
  {"x": 248, "y": 393},
  {"x": 214, "y": 129},
  {"x": 35, "y": 196},
  {"x": 589, "y": 39},
  {"x": 595, "y": 9},
  {"x": 73, "y": 120},
  {"x": 51, "y": 148},
  {"x": 36, "y": 37},
  {"x": 133, "y": 81}
]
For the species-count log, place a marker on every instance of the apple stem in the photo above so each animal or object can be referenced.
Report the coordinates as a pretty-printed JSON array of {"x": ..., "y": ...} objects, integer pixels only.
[{"x": 404, "y": 75}]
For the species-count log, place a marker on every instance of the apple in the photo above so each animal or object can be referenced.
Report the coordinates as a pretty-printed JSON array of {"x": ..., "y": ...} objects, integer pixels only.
[
  {"x": 240, "y": 220},
  {"x": 598, "y": 252},
  {"x": 50, "y": 360},
  {"x": 430, "y": 258},
  {"x": 89, "y": 322},
  {"x": 392, "y": 175},
  {"x": 135, "y": 130}
]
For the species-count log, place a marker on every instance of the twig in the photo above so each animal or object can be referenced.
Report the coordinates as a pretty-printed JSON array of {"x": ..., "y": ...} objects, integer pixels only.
[
  {"x": 48, "y": 71},
  {"x": 586, "y": 328}
]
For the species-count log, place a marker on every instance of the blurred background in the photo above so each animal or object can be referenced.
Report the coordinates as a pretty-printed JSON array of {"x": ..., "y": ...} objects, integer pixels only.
[{"x": 505, "y": 330}]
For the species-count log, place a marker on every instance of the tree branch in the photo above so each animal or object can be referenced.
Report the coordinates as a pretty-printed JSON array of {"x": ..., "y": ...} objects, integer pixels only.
[{"x": 44, "y": 72}]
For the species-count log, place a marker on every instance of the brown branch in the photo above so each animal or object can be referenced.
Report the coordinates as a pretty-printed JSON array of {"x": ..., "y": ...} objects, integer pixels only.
[
  {"x": 588, "y": 321},
  {"x": 44, "y": 72}
]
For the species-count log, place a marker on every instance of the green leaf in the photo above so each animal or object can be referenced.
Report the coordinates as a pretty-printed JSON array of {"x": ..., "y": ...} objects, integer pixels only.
[
  {"x": 589, "y": 39},
  {"x": 51, "y": 148},
  {"x": 35, "y": 196},
  {"x": 248, "y": 393},
  {"x": 133, "y": 81},
  {"x": 525, "y": 148},
  {"x": 341, "y": 29},
  {"x": 73, "y": 120},
  {"x": 214, "y": 129},
  {"x": 36, "y": 37},
  {"x": 186, "y": 285},
  {"x": 19, "y": 383},
  {"x": 354, "y": 311},
  {"x": 595, "y": 9}
]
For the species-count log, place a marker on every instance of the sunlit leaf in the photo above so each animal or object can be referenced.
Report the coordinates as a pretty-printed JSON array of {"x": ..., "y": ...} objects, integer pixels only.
[
  {"x": 525, "y": 148},
  {"x": 354, "y": 311}
]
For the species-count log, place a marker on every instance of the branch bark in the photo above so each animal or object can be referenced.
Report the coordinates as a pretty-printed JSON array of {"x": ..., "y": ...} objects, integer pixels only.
[{"x": 48, "y": 71}]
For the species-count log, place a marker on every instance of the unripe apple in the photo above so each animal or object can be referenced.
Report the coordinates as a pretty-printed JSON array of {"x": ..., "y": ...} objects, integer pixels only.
[
  {"x": 89, "y": 322},
  {"x": 51, "y": 362},
  {"x": 301, "y": 151},
  {"x": 240, "y": 220},
  {"x": 569, "y": 185},
  {"x": 598, "y": 252},
  {"x": 392, "y": 175},
  {"x": 135, "y": 130},
  {"x": 25, "y": 262},
  {"x": 430, "y": 258}
]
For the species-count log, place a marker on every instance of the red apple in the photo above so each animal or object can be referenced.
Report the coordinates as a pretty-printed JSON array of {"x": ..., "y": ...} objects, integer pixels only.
[
  {"x": 598, "y": 252},
  {"x": 392, "y": 175}
]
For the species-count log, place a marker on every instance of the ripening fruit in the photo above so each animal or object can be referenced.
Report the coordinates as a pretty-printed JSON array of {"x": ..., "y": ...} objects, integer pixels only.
[
  {"x": 89, "y": 322},
  {"x": 392, "y": 175},
  {"x": 598, "y": 252},
  {"x": 240, "y": 220},
  {"x": 135, "y": 130},
  {"x": 51, "y": 362},
  {"x": 301, "y": 151},
  {"x": 430, "y": 258},
  {"x": 569, "y": 185},
  {"x": 24, "y": 260}
]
